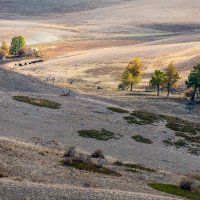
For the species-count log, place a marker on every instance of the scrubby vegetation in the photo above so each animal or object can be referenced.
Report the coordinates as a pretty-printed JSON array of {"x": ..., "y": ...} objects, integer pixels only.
[
  {"x": 142, "y": 118},
  {"x": 177, "y": 124},
  {"x": 37, "y": 102},
  {"x": 117, "y": 110},
  {"x": 134, "y": 167},
  {"x": 77, "y": 160},
  {"x": 142, "y": 139},
  {"x": 103, "y": 135},
  {"x": 175, "y": 190}
]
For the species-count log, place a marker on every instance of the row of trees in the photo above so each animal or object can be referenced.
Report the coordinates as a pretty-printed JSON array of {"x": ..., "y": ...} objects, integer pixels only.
[
  {"x": 16, "y": 47},
  {"x": 167, "y": 79}
]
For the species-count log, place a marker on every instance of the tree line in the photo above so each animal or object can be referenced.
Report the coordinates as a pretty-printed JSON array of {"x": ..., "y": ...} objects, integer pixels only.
[
  {"x": 167, "y": 79},
  {"x": 16, "y": 48}
]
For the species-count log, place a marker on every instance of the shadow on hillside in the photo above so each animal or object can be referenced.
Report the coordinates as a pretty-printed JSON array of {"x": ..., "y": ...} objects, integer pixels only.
[{"x": 14, "y": 82}]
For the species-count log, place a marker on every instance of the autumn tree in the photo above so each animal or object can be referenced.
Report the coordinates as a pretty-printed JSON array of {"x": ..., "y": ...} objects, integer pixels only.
[
  {"x": 2, "y": 54},
  {"x": 171, "y": 77},
  {"x": 132, "y": 74},
  {"x": 17, "y": 44},
  {"x": 194, "y": 80},
  {"x": 5, "y": 47},
  {"x": 157, "y": 80}
]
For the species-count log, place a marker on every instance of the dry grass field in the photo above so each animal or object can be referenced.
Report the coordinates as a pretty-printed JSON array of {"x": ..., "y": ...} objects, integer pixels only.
[{"x": 87, "y": 44}]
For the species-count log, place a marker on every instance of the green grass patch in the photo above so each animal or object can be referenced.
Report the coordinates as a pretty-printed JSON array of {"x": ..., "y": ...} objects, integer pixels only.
[
  {"x": 180, "y": 143},
  {"x": 180, "y": 125},
  {"x": 103, "y": 135},
  {"x": 168, "y": 142},
  {"x": 91, "y": 167},
  {"x": 175, "y": 190},
  {"x": 117, "y": 110},
  {"x": 173, "y": 123},
  {"x": 134, "y": 167},
  {"x": 143, "y": 117},
  {"x": 195, "y": 139},
  {"x": 197, "y": 177},
  {"x": 142, "y": 139},
  {"x": 37, "y": 102}
]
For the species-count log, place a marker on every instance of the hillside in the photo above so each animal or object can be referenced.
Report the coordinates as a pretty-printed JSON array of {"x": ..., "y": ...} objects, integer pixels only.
[{"x": 86, "y": 45}]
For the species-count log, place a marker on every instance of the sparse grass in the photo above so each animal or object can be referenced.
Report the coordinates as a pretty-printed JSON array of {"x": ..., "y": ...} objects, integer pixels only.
[
  {"x": 173, "y": 123},
  {"x": 37, "y": 102},
  {"x": 134, "y": 167},
  {"x": 175, "y": 190},
  {"x": 142, "y": 139},
  {"x": 93, "y": 168},
  {"x": 188, "y": 138},
  {"x": 180, "y": 143},
  {"x": 132, "y": 120},
  {"x": 194, "y": 151},
  {"x": 103, "y": 135},
  {"x": 197, "y": 177},
  {"x": 142, "y": 117},
  {"x": 117, "y": 110},
  {"x": 145, "y": 117},
  {"x": 90, "y": 167},
  {"x": 168, "y": 142},
  {"x": 180, "y": 125}
]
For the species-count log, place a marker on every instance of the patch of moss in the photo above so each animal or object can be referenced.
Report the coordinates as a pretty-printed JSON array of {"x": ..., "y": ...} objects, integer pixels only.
[
  {"x": 175, "y": 190},
  {"x": 134, "y": 167},
  {"x": 132, "y": 120},
  {"x": 91, "y": 167},
  {"x": 117, "y": 110},
  {"x": 142, "y": 139},
  {"x": 180, "y": 125},
  {"x": 188, "y": 138},
  {"x": 197, "y": 177},
  {"x": 103, "y": 135},
  {"x": 168, "y": 142},
  {"x": 145, "y": 117},
  {"x": 180, "y": 143},
  {"x": 37, "y": 102}
]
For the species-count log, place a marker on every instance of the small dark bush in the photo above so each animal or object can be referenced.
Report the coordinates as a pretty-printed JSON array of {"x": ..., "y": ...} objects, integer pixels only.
[
  {"x": 139, "y": 138},
  {"x": 37, "y": 102},
  {"x": 117, "y": 110},
  {"x": 98, "y": 154},
  {"x": 186, "y": 184},
  {"x": 70, "y": 152},
  {"x": 98, "y": 135}
]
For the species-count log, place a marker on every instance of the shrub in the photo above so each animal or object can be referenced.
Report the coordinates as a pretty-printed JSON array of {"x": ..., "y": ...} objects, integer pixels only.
[
  {"x": 117, "y": 110},
  {"x": 98, "y": 135},
  {"x": 70, "y": 152},
  {"x": 141, "y": 139},
  {"x": 98, "y": 154},
  {"x": 122, "y": 86},
  {"x": 37, "y": 102},
  {"x": 186, "y": 184}
]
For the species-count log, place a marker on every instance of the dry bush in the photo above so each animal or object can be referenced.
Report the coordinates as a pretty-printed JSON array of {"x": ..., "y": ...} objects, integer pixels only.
[
  {"x": 98, "y": 154},
  {"x": 71, "y": 152},
  {"x": 186, "y": 184}
]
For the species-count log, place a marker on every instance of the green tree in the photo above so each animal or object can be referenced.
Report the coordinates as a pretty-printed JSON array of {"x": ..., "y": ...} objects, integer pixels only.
[
  {"x": 194, "y": 80},
  {"x": 133, "y": 72},
  {"x": 171, "y": 77},
  {"x": 5, "y": 47},
  {"x": 157, "y": 80},
  {"x": 17, "y": 44}
]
